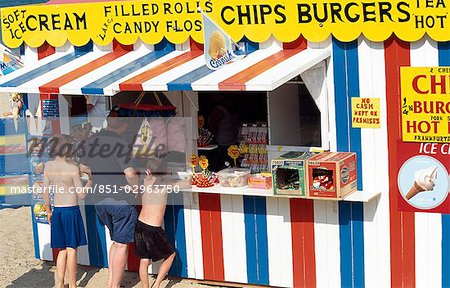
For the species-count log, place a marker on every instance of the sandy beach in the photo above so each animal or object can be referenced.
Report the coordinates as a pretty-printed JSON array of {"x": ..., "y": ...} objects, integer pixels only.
[{"x": 19, "y": 268}]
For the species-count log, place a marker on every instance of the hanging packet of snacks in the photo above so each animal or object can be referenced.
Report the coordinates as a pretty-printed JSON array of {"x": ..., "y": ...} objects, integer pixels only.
[{"x": 143, "y": 144}]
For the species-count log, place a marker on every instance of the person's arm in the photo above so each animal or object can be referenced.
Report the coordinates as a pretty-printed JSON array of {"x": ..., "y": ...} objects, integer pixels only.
[
  {"x": 78, "y": 184},
  {"x": 132, "y": 177},
  {"x": 46, "y": 197},
  {"x": 90, "y": 103},
  {"x": 149, "y": 180},
  {"x": 85, "y": 170}
]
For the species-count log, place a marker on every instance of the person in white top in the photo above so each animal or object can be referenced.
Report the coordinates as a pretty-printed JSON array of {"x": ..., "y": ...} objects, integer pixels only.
[{"x": 96, "y": 110}]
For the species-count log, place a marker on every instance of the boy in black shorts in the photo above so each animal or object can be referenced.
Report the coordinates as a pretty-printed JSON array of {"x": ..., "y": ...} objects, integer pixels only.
[{"x": 151, "y": 243}]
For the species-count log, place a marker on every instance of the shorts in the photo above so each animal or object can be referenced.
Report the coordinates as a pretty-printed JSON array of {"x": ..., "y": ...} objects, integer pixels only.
[
  {"x": 151, "y": 242},
  {"x": 120, "y": 218},
  {"x": 67, "y": 228}
]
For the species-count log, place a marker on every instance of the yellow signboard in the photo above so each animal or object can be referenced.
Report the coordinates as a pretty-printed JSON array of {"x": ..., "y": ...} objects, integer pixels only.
[
  {"x": 366, "y": 112},
  {"x": 425, "y": 104},
  {"x": 177, "y": 20}
]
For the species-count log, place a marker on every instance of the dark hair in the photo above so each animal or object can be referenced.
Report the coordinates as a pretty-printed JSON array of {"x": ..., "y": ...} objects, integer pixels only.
[
  {"x": 62, "y": 145},
  {"x": 114, "y": 120}
]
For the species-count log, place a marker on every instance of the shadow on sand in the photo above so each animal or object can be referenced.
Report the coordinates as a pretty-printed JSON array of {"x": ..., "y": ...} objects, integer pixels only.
[{"x": 44, "y": 277}]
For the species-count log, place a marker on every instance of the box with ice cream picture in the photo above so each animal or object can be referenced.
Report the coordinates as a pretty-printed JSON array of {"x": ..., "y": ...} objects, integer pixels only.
[
  {"x": 423, "y": 178},
  {"x": 288, "y": 174},
  {"x": 331, "y": 175}
]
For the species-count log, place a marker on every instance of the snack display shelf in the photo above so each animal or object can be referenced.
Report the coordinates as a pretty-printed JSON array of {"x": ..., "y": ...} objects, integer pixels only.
[
  {"x": 357, "y": 196},
  {"x": 217, "y": 189}
]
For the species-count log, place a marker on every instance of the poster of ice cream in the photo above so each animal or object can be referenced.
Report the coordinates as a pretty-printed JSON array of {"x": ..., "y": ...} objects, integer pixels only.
[
  {"x": 8, "y": 61},
  {"x": 218, "y": 45},
  {"x": 423, "y": 179}
]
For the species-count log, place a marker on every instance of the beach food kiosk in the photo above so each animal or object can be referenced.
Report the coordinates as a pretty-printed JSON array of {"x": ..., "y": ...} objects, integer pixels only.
[{"x": 377, "y": 74}]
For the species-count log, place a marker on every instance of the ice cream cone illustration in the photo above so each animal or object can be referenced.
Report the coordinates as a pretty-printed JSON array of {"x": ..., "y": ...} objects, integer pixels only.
[
  {"x": 39, "y": 168},
  {"x": 217, "y": 46},
  {"x": 423, "y": 181}
]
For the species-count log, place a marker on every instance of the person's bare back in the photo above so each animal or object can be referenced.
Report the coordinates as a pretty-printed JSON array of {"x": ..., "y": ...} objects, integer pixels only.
[
  {"x": 154, "y": 198},
  {"x": 67, "y": 230},
  {"x": 154, "y": 203},
  {"x": 151, "y": 241},
  {"x": 65, "y": 180}
]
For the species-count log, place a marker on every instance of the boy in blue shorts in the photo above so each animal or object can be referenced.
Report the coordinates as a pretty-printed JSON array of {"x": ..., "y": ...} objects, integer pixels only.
[{"x": 67, "y": 229}]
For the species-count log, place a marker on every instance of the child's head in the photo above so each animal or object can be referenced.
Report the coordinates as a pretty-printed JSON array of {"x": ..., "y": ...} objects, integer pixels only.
[{"x": 62, "y": 146}]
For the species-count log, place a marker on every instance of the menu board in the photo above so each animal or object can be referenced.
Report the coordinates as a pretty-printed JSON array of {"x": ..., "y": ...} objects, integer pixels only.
[
  {"x": 50, "y": 108},
  {"x": 423, "y": 161}
]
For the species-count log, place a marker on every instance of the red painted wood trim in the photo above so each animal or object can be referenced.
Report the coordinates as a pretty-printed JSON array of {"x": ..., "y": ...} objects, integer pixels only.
[
  {"x": 45, "y": 50},
  {"x": 211, "y": 230},
  {"x": 300, "y": 43},
  {"x": 237, "y": 81},
  {"x": 303, "y": 247},
  {"x": 119, "y": 47},
  {"x": 54, "y": 85},
  {"x": 196, "y": 46},
  {"x": 135, "y": 83},
  {"x": 402, "y": 236}
]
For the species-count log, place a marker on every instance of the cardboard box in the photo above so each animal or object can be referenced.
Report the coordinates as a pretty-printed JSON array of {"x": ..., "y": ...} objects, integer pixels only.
[
  {"x": 260, "y": 180},
  {"x": 331, "y": 175},
  {"x": 288, "y": 174}
]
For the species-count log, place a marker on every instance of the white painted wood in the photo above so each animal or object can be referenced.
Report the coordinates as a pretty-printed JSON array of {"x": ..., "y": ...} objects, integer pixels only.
[
  {"x": 211, "y": 81},
  {"x": 45, "y": 249},
  {"x": 27, "y": 68},
  {"x": 74, "y": 87},
  {"x": 187, "y": 200},
  {"x": 233, "y": 235},
  {"x": 374, "y": 150},
  {"x": 176, "y": 99},
  {"x": 114, "y": 87},
  {"x": 279, "y": 242},
  {"x": 97, "y": 47},
  {"x": 30, "y": 57},
  {"x": 159, "y": 83},
  {"x": 33, "y": 85},
  {"x": 108, "y": 242},
  {"x": 428, "y": 226},
  {"x": 315, "y": 80},
  {"x": 217, "y": 189},
  {"x": 326, "y": 241},
  {"x": 357, "y": 196},
  {"x": 331, "y": 97},
  {"x": 196, "y": 235},
  {"x": 286, "y": 70},
  {"x": 64, "y": 120},
  {"x": 362, "y": 196}
]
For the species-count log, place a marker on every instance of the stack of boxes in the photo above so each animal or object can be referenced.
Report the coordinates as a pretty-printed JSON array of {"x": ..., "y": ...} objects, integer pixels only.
[
  {"x": 253, "y": 147},
  {"x": 327, "y": 175},
  {"x": 288, "y": 174}
]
